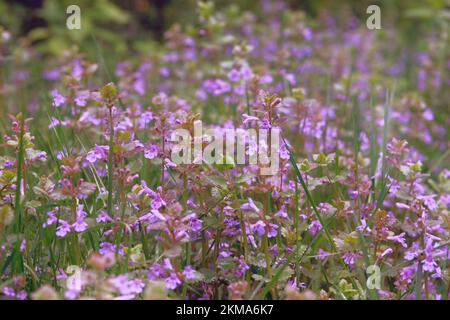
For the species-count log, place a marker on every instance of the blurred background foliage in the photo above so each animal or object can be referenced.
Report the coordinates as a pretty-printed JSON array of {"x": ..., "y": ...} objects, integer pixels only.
[{"x": 140, "y": 24}]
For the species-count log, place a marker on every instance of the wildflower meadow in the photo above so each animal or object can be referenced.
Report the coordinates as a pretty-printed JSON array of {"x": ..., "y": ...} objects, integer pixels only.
[{"x": 241, "y": 150}]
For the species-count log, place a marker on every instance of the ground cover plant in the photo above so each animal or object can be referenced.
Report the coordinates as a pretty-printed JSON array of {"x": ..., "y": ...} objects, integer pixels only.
[{"x": 93, "y": 204}]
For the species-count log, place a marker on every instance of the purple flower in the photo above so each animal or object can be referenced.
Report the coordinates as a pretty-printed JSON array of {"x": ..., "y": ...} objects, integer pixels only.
[
  {"x": 399, "y": 238},
  {"x": 234, "y": 75},
  {"x": 216, "y": 86},
  {"x": 429, "y": 202},
  {"x": 139, "y": 86},
  {"x": 167, "y": 264},
  {"x": 21, "y": 295},
  {"x": 164, "y": 72},
  {"x": 169, "y": 163},
  {"x": 62, "y": 229},
  {"x": 7, "y": 291},
  {"x": 81, "y": 98},
  {"x": 428, "y": 114},
  {"x": 282, "y": 213},
  {"x": 353, "y": 194},
  {"x": 58, "y": 99},
  {"x": 241, "y": 267},
  {"x": 79, "y": 225},
  {"x": 307, "y": 33},
  {"x": 386, "y": 252},
  {"x": 77, "y": 70},
  {"x": 401, "y": 205},
  {"x": 265, "y": 79},
  {"x": 156, "y": 271},
  {"x": 22, "y": 245},
  {"x": 429, "y": 265},
  {"x": 408, "y": 273},
  {"x": 107, "y": 247},
  {"x": 322, "y": 254},
  {"x": 103, "y": 217},
  {"x": 349, "y": 258},
  {"x": 144, "y": 119},
  {"x": 51, "y": 219},
  {"x": 260, "y": 228},
  {"x": 250, "y": 205},
  {"x": 272, "y": 230},
  {"x": 52, "y": 74},
  {"x": 54, "y": 122},
  {"x": 413, "y": 253},
  {"x": 172, "y": 282},
  {"x": 8, "y": 163},
  {"x": 189, "y": 273},
  {"x": 151, "y": 151},
  {"x": 314, "y": 227},
  {"x": 248, "y": 118},
  {"x": 284, "y": 153},
  {"x": 126, "y": 286},
  {"x": 97, "y": 153},
  {"x": 157, "y": 201}
]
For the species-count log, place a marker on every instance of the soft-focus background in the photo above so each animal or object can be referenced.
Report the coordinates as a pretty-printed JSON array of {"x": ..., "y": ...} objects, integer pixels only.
[
  {"x": 117, "y": 22},
  {"x": 112, "y": 29}
]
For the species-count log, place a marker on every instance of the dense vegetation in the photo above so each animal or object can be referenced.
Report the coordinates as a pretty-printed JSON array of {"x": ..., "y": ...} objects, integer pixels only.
[{"x": 92, "y": 205}]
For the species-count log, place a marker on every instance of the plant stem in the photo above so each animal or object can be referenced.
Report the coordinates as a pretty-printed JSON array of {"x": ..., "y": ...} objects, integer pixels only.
[
  {"x": 110, "y": 162},
  {"x": 17, "y": 265},
  {"x": 297, "y": 233},
  {"x": 317, "y": 213},
  {"x": 17, "y": 208}
]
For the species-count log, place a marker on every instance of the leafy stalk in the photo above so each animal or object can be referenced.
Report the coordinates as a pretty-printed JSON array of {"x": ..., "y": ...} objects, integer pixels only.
[
  {"x": 316, "y": 211},
  {"x": 17, "y": 261},
  {"x": 110, "y": 163}
]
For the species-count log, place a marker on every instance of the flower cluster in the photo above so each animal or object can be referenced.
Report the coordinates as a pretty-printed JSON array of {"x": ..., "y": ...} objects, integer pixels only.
[{"x": 362, "y": 178}]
